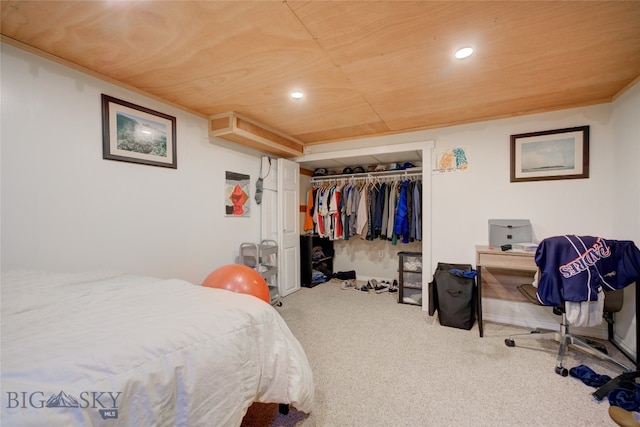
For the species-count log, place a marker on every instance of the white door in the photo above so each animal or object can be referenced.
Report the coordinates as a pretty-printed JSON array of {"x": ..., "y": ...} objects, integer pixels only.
[{"x": 288, "y": 226}]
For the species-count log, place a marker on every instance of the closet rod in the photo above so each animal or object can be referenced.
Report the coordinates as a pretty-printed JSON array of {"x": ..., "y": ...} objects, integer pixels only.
[{"x": 367, "y": 175}]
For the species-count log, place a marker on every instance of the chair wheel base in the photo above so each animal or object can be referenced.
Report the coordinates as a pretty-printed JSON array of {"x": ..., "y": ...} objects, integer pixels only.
[
  {"x": 562, "y": 371},
  {"x": 509, "y": 342}
]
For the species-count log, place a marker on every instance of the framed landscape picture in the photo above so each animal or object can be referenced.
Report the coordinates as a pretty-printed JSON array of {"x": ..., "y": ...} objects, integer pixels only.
[
  {"x": 131, "y": 133},
  {"x": 551, "y": 154}
]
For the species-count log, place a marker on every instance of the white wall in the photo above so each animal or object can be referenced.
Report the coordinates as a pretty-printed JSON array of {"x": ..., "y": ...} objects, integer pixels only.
[
  {"x": 626, "y": 196},
  {"x": 64, "y": 208},
  {"x": 466, "y": 201}
]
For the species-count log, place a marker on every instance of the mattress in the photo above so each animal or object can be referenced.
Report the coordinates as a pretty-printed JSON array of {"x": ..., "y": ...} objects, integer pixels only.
[{"x": 107, "y": 349}]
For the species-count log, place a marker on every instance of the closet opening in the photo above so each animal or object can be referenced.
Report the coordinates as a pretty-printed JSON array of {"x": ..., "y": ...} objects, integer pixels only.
[{"x": 375, "y": 257}]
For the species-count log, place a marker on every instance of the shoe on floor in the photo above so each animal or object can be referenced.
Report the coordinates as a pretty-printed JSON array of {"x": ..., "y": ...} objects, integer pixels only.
[
  {"x": 382, "y": 288},
  {"x": 624, "y": 418},
  {"x": 362, "y": 288},
  {"x": 394, "y": 287}
]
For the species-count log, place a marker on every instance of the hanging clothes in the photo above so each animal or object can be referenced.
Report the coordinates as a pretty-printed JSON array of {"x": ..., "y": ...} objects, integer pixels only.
[
  {"x": 417, "y": 210},
  {"x": 363, "y": 211},
  {"x": 356, "y": 193},
  {"x": 309, "y": 225},
  {"x": 389, "y": 209},
  {"x": 385, "y": 212},
  {"x": 393, "y": 205},
  {"x": 402, "y": 214}
]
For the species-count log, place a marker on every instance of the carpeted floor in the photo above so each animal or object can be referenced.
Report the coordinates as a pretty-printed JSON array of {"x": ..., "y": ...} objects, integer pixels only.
[{"x": 380, "y": 363}]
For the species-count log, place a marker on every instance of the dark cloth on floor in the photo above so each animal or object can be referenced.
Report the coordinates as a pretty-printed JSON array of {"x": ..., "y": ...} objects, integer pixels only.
[{"x": 588, "y": 376}]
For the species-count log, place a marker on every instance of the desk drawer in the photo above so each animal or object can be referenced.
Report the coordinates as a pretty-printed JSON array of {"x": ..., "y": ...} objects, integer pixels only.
[{"x": 509, "y": 261}]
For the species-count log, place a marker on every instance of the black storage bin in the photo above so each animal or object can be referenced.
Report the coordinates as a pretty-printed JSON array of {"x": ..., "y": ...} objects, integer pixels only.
[{"x": 453, "y": 296}]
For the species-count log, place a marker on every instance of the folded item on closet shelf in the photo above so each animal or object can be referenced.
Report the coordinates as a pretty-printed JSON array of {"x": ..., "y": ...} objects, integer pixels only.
[
  {"x": 318, "y": 277},
  {"x": 412, "y": 284},
  {"x": 412, "y": 265},
  {"x": 413, "y": 299},
  {"x": 317, "y": 253}
]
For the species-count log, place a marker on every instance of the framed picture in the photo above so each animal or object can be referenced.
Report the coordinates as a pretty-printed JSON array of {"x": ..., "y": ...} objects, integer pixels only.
[
  {"x": 236, "y": 194},
  {"x": 131, "y": 133},
  {"x": 551, "y": 154}
]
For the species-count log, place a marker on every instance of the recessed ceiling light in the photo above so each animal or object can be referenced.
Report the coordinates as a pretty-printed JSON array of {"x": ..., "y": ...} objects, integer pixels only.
[
  {"x": 464, "y": 52},
  {"x": 296, "y": 94}
]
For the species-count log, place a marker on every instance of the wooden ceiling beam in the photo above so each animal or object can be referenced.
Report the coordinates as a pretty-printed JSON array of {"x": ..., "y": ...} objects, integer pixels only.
[{"x": 240, "y": 129}]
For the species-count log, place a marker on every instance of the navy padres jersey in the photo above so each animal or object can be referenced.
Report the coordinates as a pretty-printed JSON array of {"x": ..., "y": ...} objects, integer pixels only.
[{"x": 575, "y": 268}]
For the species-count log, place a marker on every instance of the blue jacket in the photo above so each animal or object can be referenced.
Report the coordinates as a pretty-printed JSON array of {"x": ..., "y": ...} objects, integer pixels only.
[
  {"x": 401, "y": 225},
  {"x": 574, "y": 268}
]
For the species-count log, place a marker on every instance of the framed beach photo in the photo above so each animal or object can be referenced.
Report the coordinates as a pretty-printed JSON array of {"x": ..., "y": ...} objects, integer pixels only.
[
  {"x": 131, "y": 133},
  {"x": 550, "y": 155}
]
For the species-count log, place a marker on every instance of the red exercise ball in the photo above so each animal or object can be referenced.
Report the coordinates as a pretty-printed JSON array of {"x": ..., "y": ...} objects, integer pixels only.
[{"x": 239, "y": 278}]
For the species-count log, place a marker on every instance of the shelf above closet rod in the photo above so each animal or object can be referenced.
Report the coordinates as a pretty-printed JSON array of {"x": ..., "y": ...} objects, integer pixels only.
[{"x": 383, "y": 174}]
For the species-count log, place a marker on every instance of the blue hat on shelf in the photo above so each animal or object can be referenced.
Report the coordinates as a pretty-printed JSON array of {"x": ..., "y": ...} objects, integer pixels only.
[{"x": 408, "y": 165}]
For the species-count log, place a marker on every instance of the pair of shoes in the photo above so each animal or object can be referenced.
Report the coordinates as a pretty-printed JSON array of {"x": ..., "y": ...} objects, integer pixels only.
[
  {"x": 394, "y": 287},
  {"x": 624, "y": 418}
]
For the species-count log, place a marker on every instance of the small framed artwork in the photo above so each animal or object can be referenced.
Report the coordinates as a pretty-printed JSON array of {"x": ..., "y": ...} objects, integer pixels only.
[
  {"x": 236, "y": 194},
  {"x": 550, "y": 155},
  {"x": 131, "y": 133}
]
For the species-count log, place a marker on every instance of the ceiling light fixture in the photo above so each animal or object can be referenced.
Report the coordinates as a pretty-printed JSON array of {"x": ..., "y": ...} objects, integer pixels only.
[
  {"x": 296, "y": 94},
  {"x": 464, "y": 52}
]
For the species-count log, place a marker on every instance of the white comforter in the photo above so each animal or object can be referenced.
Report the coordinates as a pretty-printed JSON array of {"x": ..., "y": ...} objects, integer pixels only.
[{"x": 119, "y": 350}]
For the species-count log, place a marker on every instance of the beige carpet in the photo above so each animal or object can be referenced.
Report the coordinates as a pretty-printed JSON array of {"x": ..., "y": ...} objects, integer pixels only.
[{"x": 380, "y": 363}]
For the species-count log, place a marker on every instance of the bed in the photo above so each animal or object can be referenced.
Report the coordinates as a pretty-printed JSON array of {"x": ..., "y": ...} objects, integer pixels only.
[{"x": 105, "y": 349}]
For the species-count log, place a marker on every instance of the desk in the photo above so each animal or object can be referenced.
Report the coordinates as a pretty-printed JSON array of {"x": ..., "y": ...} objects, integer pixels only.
[{"x": 503, "y": 271}]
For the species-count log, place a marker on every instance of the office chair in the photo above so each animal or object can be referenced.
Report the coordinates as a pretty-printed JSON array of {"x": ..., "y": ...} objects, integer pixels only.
[{"x": 612, "y": 304}]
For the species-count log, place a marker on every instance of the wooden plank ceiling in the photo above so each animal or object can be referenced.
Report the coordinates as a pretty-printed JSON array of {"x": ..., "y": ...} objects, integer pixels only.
[{"x": 367, "y": 67}]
